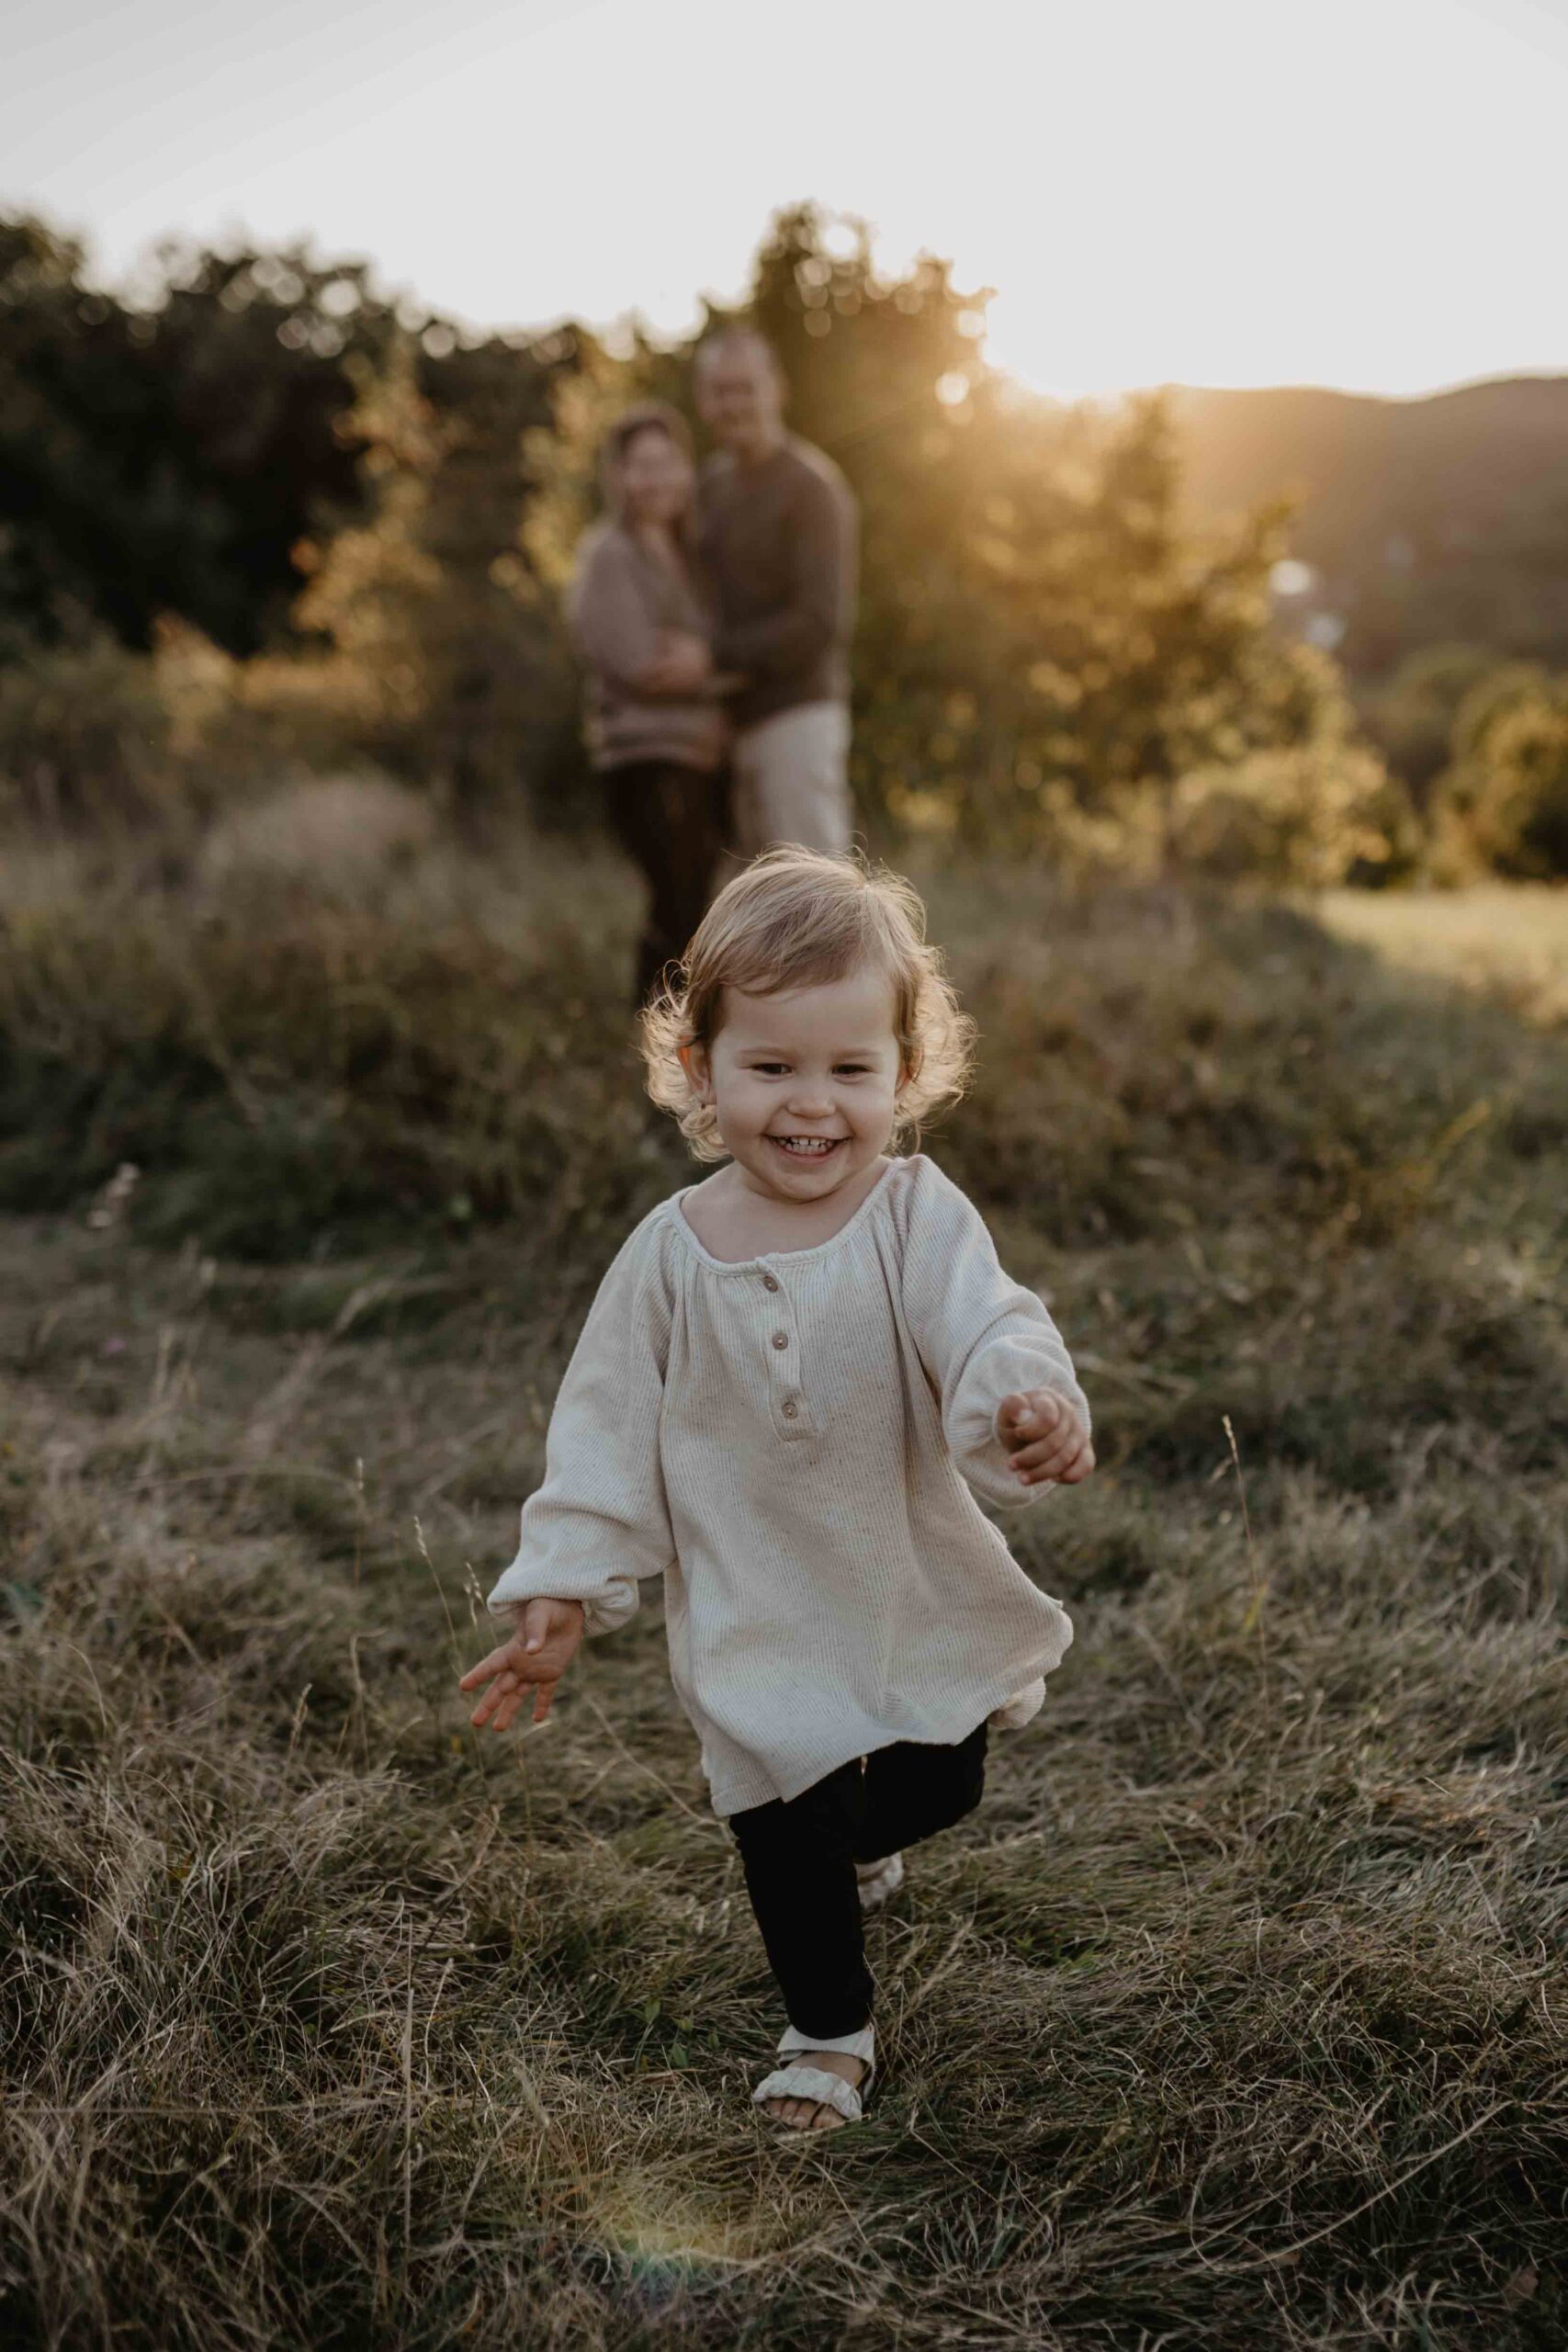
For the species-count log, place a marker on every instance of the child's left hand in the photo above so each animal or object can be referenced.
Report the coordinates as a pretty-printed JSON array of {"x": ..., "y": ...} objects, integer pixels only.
[
  {"x": 1045, "y": 1438},
  {"x": 529, "y": 1665}
]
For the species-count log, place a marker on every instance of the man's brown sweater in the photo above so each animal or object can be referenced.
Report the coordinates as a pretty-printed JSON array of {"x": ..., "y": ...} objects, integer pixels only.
[{"x": 779, "y": 545}]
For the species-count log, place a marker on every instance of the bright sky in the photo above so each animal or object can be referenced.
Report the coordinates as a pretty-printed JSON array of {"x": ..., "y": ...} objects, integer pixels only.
[{"x": 1368, "y": 193}]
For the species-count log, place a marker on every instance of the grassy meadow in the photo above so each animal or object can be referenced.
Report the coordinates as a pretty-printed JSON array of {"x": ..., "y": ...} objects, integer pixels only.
[{"x": 1235, "y": 2018}]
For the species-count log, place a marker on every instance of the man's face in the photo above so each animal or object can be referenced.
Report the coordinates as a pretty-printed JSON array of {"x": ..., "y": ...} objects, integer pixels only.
[{"x": 739, "y": 398}]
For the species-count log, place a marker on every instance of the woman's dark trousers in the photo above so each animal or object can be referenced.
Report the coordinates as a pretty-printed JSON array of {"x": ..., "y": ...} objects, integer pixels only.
[
  {"x": 672, "y": 821},
  {"x": 799, "y": 1858}
]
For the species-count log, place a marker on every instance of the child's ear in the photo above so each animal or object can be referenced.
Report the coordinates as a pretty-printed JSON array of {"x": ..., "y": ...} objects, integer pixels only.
[
  {"x": 694, "y": 1060},
  {"x": 909, "y": 1072}
]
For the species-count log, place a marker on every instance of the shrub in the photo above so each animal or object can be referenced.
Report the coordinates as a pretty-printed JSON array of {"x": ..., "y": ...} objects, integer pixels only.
[
  {"x": 233, "y": 724},
  {"x": 306, "y": 1043},
  {"x": 1503, "y": 805},
  {"x": 1309, "y": 817},
  {"x": 1410, "y": 716},
  {"x": 85, "y": 737},
  {"x": 95, "y": 737}
]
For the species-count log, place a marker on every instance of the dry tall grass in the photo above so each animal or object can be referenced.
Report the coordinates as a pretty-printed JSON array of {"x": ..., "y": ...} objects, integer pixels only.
[{"x": 1234, "y": 2018}]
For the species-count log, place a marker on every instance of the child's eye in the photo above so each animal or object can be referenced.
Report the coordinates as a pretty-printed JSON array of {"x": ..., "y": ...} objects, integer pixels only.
[
  {"x": 769, "y": 1069},
  {"x": 854, "y": 1069}
]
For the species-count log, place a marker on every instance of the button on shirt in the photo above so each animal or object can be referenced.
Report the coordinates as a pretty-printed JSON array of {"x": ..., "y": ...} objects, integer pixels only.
[{"x": 796, "y": 1444}]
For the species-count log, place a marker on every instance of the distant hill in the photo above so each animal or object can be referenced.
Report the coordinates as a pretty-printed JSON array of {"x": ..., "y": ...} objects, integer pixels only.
[{"x": 1430, "y": 521}]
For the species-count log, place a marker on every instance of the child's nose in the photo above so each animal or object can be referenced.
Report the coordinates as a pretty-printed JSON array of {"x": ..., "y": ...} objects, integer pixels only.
[{"x": 810, "y": 1102}]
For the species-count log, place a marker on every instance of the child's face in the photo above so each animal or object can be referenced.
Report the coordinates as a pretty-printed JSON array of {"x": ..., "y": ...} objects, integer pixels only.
[{"x": 805, "y": 1083}]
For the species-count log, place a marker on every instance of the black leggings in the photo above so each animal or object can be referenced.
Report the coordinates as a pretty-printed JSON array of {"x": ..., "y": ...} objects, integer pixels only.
[
  {"x": 671, "y": 819},
  {"x": 799, "y": 1858}
]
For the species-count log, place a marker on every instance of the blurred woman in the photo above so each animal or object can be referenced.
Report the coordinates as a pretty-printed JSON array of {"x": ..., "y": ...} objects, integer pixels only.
[{"x": 656, "y": 730}]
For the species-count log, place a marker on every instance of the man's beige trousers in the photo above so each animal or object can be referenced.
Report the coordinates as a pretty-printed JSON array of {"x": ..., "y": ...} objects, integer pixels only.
[{"x": 792, "y": 780}]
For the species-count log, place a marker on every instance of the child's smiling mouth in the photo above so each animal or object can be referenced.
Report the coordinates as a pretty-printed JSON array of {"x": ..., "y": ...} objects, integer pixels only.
[{"x": 808, "y": 1147}]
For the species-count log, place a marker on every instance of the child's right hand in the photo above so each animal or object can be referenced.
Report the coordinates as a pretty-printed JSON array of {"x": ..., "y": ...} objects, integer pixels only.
[{"x": 535, "y": 1659}]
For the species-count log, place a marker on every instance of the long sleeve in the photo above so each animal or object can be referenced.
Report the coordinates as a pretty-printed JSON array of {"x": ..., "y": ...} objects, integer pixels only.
[
  {"x": 815, "y": 615},
  {"x": 611, "y": 618},
  {"x": 980, "y": 1335},
  {"x": 600, "y": 1520}
]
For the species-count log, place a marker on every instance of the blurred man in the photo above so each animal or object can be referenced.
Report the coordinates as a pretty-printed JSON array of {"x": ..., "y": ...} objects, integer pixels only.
[{"x": 778, "y": 533}]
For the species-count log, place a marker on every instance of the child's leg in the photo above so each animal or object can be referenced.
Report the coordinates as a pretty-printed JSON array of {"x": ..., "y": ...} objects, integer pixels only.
[
  {"x": 913, "y": 1788},
  {"x": 798, "y": 1858}
]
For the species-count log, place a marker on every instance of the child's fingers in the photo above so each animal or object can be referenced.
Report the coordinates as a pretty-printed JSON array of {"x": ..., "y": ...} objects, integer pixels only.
[
  {"x": 1030, "y": 1415},
  {"x": 500, "y": 1683},
  {"x": 550, "y": 1629},
  {"x": 1011, "y": 1412},
  {"x": 1078, "y": 1467},
  {"x": 485, "y": 1669},
  {"x": 1063, "y": 1467},
  {"x": 534, "y": 1627},
  {"x": 500, "y": 1691},
  {"x": 1048, "y": 1453},
  {"x": 507, "y": 1703},
  {"x": 508, "y": 1708}
]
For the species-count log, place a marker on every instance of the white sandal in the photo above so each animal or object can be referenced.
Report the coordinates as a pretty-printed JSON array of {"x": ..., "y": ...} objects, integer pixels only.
[
  {"x": 877, "y": 1880},
  {"x": 815, "y": 2082}
]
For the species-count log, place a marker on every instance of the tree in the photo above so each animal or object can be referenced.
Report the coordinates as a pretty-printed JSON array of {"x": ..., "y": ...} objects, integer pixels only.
[
  {"x": 1047, "y": 642},
  {"x": 1043, "y": 630},
  {"x": 74, "y": 444},
  {"x": 438, "y": 627},
  {"x": 165, "y": 460}
]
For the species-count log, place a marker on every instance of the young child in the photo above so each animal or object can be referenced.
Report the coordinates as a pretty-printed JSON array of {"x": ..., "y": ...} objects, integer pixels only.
[{"x": 791, "y": 1378}]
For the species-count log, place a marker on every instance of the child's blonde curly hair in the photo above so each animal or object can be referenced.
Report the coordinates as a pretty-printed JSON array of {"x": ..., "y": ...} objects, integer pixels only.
[{"x": 793, "y": 919}]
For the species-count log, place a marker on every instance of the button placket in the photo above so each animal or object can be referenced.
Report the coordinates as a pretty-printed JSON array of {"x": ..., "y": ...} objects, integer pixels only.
[{"x": 792, "y": 1414}]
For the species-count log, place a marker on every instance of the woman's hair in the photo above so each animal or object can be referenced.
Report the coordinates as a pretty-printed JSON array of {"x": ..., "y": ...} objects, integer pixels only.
[
  {"x": 793, "y": 919},
  {"x": 647, "y": 416}
]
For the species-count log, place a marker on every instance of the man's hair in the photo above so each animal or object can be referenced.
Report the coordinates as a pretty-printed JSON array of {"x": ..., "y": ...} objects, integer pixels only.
[
  {"x": 738, "y": 336},
  {"x": 793, "y": 919}
]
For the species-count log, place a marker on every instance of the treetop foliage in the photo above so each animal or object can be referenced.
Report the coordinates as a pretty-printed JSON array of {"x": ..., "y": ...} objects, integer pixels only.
[{"x": 368, "y": 518}]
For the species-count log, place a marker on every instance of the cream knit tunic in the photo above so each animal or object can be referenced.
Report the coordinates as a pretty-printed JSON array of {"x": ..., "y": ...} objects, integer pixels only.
[{"x": 786, "y": 1442}]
